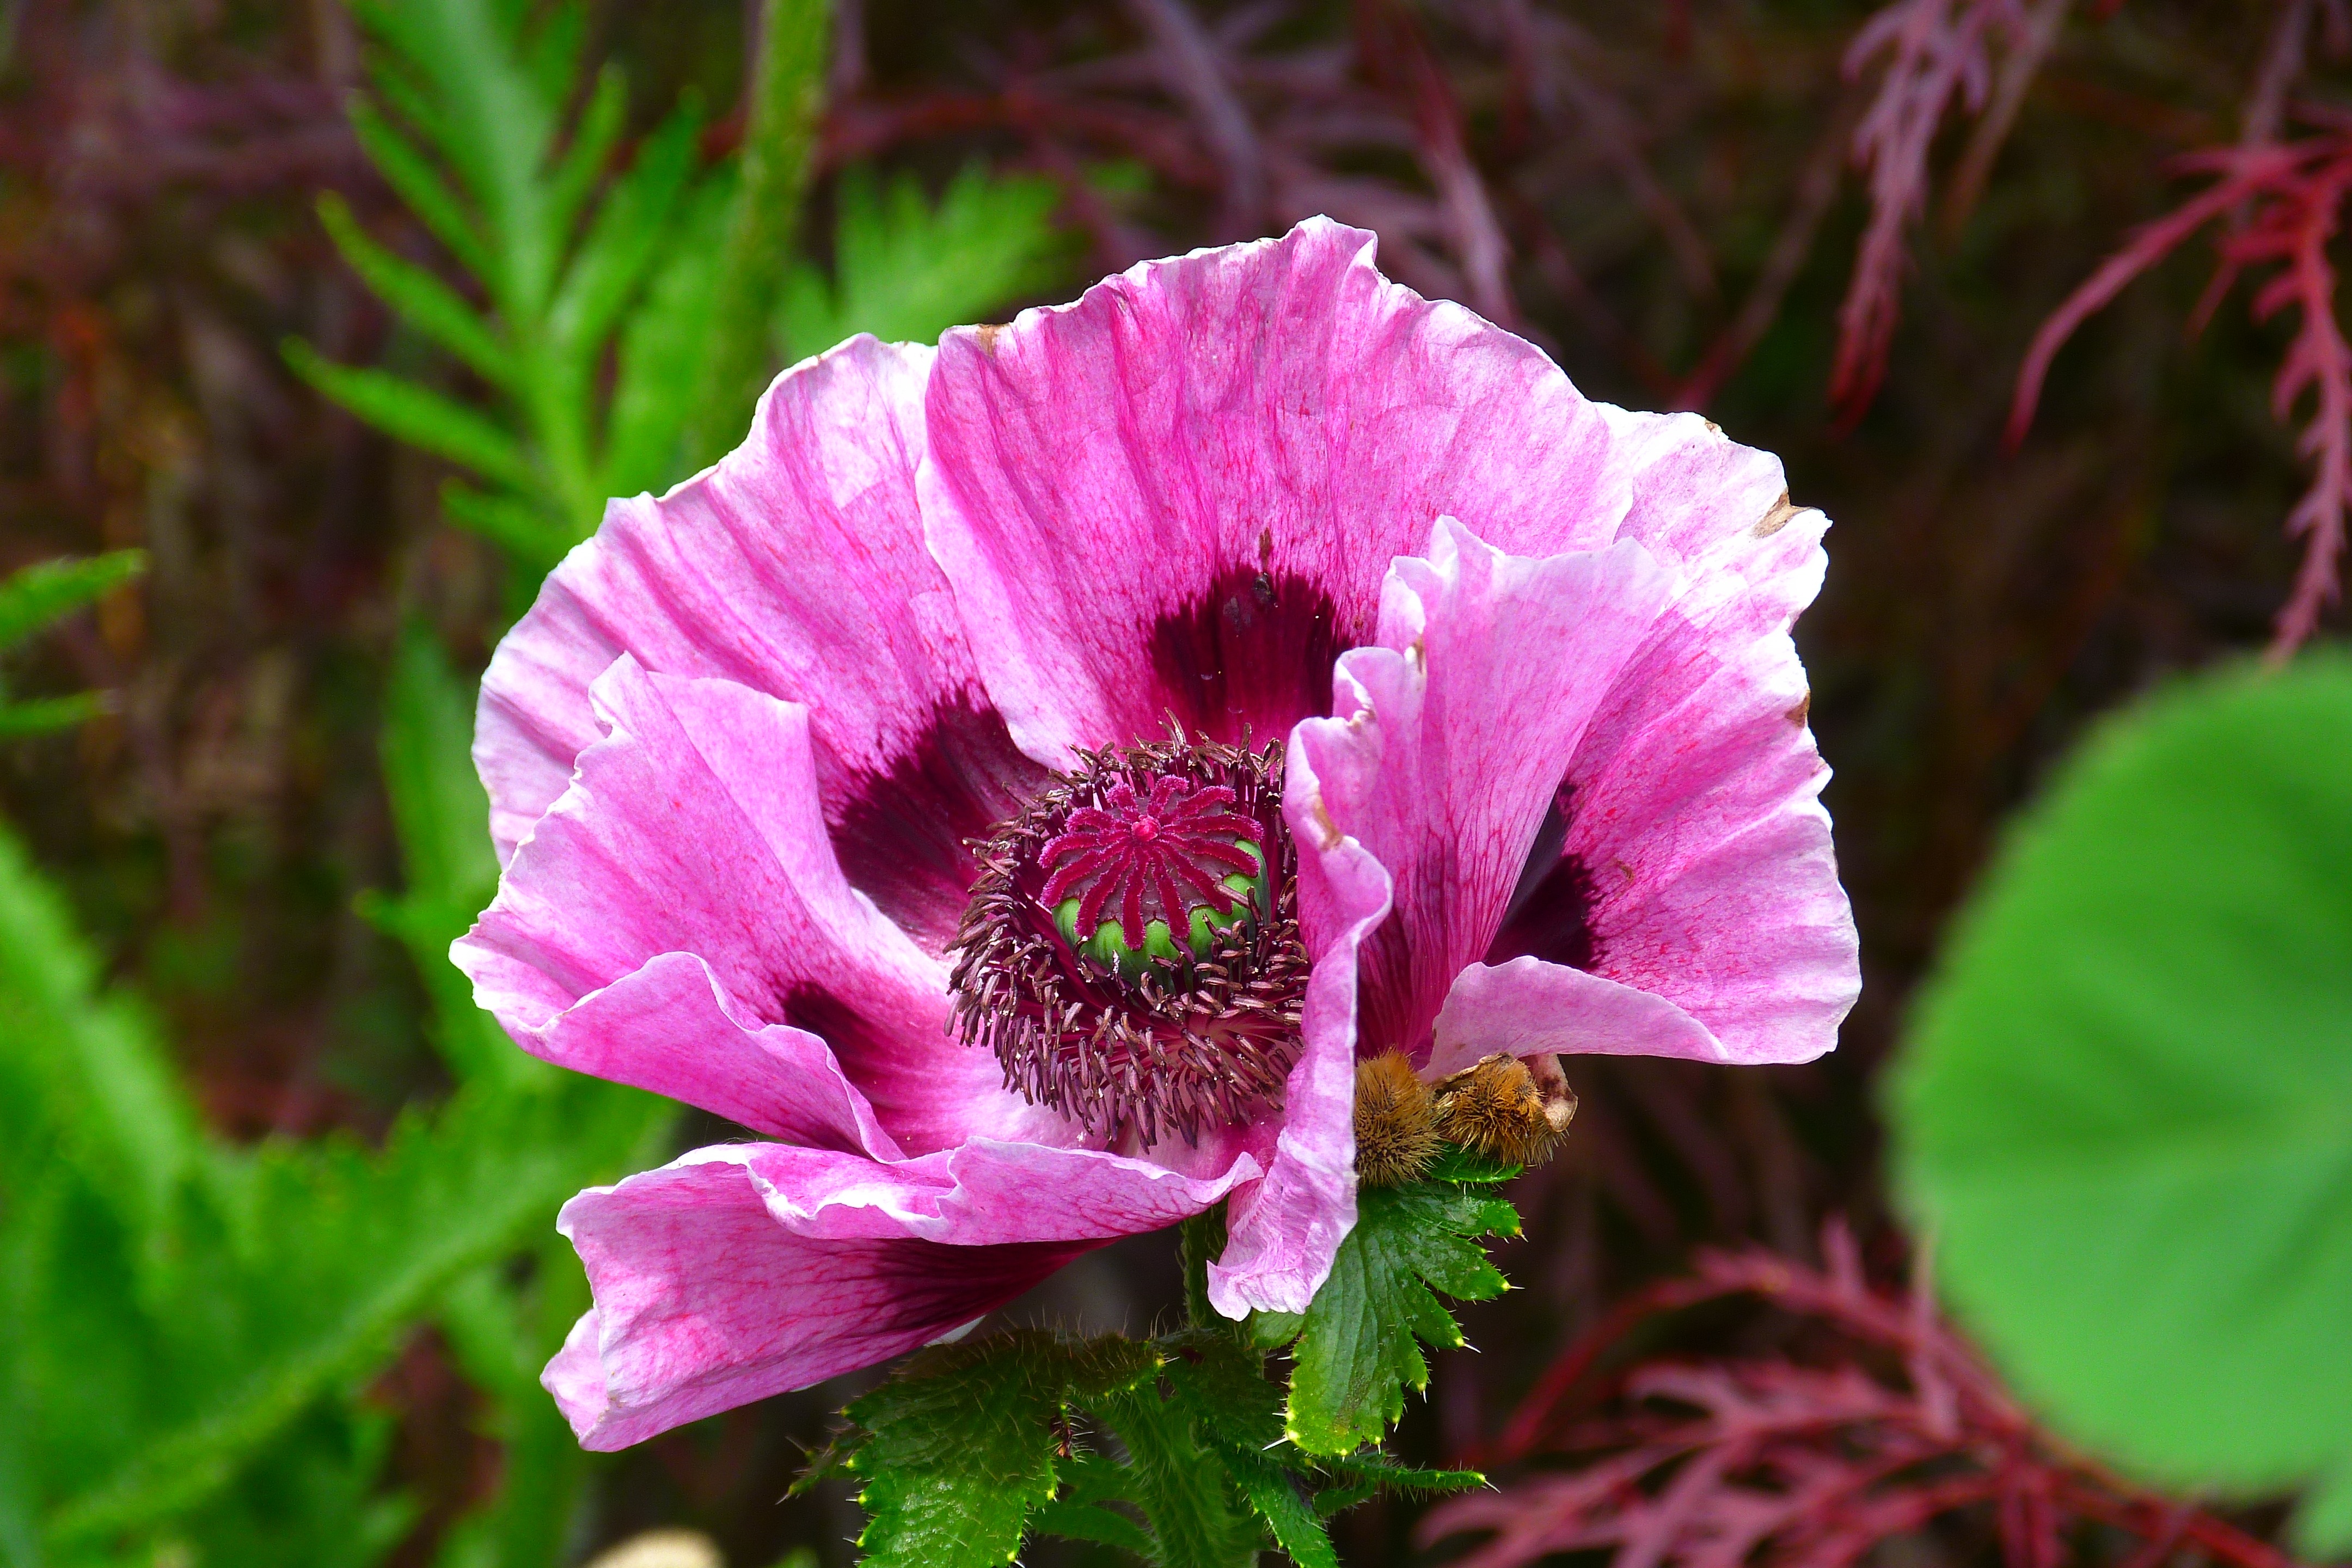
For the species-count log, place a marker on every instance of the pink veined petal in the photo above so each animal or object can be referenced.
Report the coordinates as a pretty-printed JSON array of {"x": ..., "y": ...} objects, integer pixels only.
[
  {"x": 1527, "y": 1007},
  {"x": 1283, "y": 1233},
  {"x": 796, "y": 567},
  {"x": 1449, "y": 738},
  {"x": 692, "y": 830},
  {"x": 1180, "y": 494},
  {"x": 1696, "y": 861},
  {"x": 744, "y": 1271}
]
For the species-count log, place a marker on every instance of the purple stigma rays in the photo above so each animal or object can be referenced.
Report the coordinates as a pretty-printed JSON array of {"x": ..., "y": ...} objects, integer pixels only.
[{"x": 1131, "y": 950}]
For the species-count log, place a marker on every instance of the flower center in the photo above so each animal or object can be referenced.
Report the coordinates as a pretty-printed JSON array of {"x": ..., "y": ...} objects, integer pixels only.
[{"x": 1131, "y": 950}]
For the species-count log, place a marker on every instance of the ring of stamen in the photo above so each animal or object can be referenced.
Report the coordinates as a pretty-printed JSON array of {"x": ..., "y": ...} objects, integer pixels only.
[{"x": 1130, "y": 953}]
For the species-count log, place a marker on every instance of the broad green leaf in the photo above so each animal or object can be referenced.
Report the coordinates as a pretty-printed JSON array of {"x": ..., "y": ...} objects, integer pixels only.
[
  {"x": 47, "y": 591},
  {"x": 962, "y": 1441},
  {"x": 907, "y": 270},
  {"x": 431, "y": 305},
  {"x": 2125, "y": 1110},
  {"x": 1355, "y": 1354},
  {"x": 416, "y": 414}
]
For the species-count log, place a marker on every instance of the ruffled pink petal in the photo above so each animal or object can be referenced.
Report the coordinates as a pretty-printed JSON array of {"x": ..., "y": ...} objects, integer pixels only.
[
  {"x": 1696, "y": 863},
  {"x": 1449, "y": 738},
  {"x": 1283, "y": 1233},
  {"x": 677, "y": 919},
  {"x": 744, "y": 1271},
  {"x": 1527, "y": 1007},
  {"x": 1181, "y": 493},
  {"x": 796, "y": 567}
]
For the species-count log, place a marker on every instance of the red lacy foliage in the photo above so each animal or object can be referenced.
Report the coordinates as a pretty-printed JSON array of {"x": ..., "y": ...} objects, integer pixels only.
[
  {"x": 1893, "y": 1425},
  {"x": 1936, "y": 51},
  {"x": 2281, "y": 203}
]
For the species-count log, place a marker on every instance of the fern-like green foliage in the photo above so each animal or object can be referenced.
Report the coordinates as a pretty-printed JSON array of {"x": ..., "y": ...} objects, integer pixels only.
[
  {"x": 38, "y": 596},
  {"x": 600, "y": 287},
  {"x": 906, "y": 269},
  {"x": 173, "y": 1309}
]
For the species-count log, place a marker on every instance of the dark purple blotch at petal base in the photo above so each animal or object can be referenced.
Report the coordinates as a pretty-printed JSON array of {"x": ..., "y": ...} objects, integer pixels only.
[
  {"x": 1249, "y": 656},
  {"x": 902, "y": 835},
  {"x": 1551, "y": 913}
]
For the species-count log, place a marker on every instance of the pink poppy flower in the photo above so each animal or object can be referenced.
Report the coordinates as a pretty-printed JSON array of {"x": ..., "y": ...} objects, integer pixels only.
[{"x": 1022, "y": 779}]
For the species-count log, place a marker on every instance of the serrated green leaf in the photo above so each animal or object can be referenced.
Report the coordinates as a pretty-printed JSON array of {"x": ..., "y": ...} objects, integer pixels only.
[
  {"x": 575, "y": 175},
  {"x": 35, "y": 595},
  {"x": 2125, "y": 1110},
  {"x": 664, "y": 345},
  {"x": 787, "y": 98},
  {"x": 411, "y": 173},
  {"x": 87, "y": 1078},
  {"x": 429, "y": 304},
  {"x": 416, "y": 414},
  {"x": 961, "y": 1442},
  {"x": 1188, "y": 1497},
  {"x": 1356, "y": 1356},
  {"x": 304, "y": 1260},
  {"x": 907, "y": 269},
  {"x": 631, "y": 230}
]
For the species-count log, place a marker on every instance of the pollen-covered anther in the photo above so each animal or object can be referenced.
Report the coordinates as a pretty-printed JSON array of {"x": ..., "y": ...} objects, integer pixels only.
[
  {"x": 1130, "y": 953},
  {"x": 1396, "y": 1122},
  {"x": 1508, "y": 1109}
]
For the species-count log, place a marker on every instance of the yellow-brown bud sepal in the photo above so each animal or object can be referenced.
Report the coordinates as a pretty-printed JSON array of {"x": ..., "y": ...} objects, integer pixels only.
[{"x": 1511, "y": 1110}]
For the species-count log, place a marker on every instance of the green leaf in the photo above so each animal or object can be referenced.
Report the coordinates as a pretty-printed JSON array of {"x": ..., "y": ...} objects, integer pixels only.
[
  {"x": 907, "y": 270},
  {"x": 308, "y": 1259},
  {"x": 411, "y": 173},
  {"x": 1190, "y": 1499},
  {"x": 1090, "y": 1483},
  {"x": 457, "y": 71},
  {"x": 962, "y": 1442},
  {"x": 1355, "y": 1354},
  {"x": 664, "y": 345},
  {"x": 632, "y": 227},
  {"x": 427, "y": 304},
  {"x": 2125, "y": 1110},
  {"x": 442, "y": 816},
  {"x": 787, "y": 98},
  {"x": 583, "y": 163},
  {"x": 83, "y": 1068},
  {"x": 47, "y": 591},
  {"x": 522, "y": 527},
  {"x": 416, "y": 414}
]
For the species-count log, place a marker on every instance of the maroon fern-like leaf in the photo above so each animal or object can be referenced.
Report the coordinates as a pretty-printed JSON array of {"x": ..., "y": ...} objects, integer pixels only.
[
  {"x": 2286, "y": 202},
  {"x": 1889, "y": 1424}
]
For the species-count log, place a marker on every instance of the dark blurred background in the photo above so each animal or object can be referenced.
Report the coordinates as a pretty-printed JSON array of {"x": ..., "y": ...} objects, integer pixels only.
[{"x": 1661, "y": 196}]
